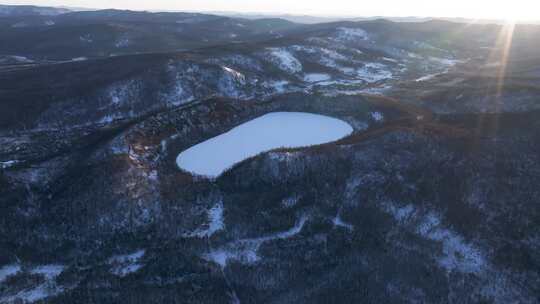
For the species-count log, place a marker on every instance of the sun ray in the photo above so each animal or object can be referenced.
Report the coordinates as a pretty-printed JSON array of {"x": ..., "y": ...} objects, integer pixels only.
[
  {"x": 506, "y": 36},
  {"x": 501, "y": 55}
]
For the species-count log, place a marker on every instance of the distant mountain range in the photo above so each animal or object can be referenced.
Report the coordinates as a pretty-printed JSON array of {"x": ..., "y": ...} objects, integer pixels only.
[
  {"x": 28, "y": 10},
  {"x": 47, "y": 34},
  {"x": 308, "y": 19},
  {"x": 13, "y": 10}
]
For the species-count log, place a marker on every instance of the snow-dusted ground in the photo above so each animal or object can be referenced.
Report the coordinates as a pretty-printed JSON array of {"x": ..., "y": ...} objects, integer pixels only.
[
  {"x": 44, "y": 290},
  {"x": 277, "y": 86},
  {"x": 338, "y": 222},
  {"x": 377, "y": 116},
  {"x": 246, "y": 250},
  {"x": 122, "y": 42},
  {"x": 352, "y": 34},
  {"x": 275, "y": 130},
  {"x": 457, "y": 254},
  {"x": 21, "y": 59},
  {"x": 290, "y": 201},
  {"x": 8, "y": 164},
  {"x": 427, "y": 77},
  {"x": 9, "y": 270},
  {"x": 445, "y": 61},
  {"x": 316, "y": 77},
  {"x": 48, "y": 271},
  {"x": 235, "y": 74},
  {"x": 123, "y": 265},
  {"x": 284, "y": 60},
  {"x": 215, "y": 223},
  {"x": 373, "y": 72}
]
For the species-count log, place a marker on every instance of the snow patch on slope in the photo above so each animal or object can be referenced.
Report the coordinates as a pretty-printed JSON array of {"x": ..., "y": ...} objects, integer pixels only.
[
  {"x": 277, "y": 86},
  {"x": 327, "y": 57},
  {"x": 123, "y": 93},
  {"x": 122, "y": 42},
  {"x": 316, "y": 77},
  {"x": 244, "y": 62},
  {"x": 445, "y": 61},
  {"x": 352, "y": 34},
  {"x": 245, "y": 250},
  {"x": 427, "y": 77},
  {"x": 9, "y": 270},
  {"x": 15, "y": 59},
  {"x": 86, "y": 38},
  {"x": 235, "y": 74},
  {"x": 8, "y": 164},
  {"x": 123, "y": 265},
  {"x": 48, "y": 271},
  {"x": 373, "y": 72},
  {"x": 338, "y": 222},
  {"x": 19, "y": 24},
  {"x": 215, "y": 223},
  {"x": 107, "y": 119},
  {"x": 231, "y": 82},
  {"x": 457, "y": 254},
  {"x": 284, "y": 60},
  {"x": 47, "y": 289},
  {"x": 290, "y": 201},
  {"x": 390, "y": 59},
  {"x": 377, "y": 116}
]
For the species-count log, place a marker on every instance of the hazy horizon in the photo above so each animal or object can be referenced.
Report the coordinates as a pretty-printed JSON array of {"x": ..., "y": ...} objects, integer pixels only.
[{"x": 522, "y": 10}]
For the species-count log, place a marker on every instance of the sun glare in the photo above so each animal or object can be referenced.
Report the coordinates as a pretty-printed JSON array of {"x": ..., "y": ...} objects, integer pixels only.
[{"x": 519, "y": 12}]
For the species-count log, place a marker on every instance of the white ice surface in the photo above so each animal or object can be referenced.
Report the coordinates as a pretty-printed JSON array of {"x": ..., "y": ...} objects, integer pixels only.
[{"x": 271, "y": 131}]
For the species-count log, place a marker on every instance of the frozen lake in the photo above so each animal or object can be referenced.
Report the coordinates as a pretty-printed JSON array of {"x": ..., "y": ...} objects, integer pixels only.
[{"x": 271, "y": 131}]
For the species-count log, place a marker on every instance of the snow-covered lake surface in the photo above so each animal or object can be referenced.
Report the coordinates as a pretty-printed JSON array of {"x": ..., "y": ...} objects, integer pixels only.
[{"x": 271, "y": 131}]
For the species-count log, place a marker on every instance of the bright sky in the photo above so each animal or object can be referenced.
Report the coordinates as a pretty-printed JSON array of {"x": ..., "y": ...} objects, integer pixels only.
[{"x": 499, "y": 9}]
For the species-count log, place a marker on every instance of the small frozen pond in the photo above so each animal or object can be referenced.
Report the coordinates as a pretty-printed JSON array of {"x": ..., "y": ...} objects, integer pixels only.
[{"x": 271, "y": 131}]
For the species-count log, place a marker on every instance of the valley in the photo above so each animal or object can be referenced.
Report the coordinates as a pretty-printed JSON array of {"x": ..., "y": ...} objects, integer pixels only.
[{"x": 193, "y": 158}]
